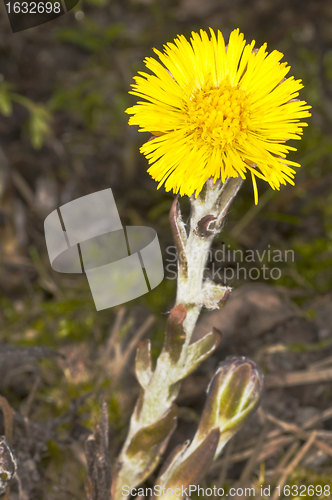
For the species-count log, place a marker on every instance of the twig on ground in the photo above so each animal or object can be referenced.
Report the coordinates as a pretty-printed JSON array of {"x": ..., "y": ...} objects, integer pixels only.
[
  {"x": 8, "y": 417},
  {"x": 98, "y": 481}
]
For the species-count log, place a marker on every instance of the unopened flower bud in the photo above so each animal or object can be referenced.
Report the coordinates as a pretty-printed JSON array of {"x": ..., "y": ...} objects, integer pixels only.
[{"x": 233, "y": 394}]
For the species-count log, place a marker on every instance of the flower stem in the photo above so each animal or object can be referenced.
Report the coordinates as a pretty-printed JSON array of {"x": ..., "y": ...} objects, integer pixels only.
[{"x": 154, "y": 417}]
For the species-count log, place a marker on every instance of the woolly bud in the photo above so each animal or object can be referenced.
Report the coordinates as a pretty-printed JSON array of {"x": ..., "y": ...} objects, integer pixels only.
[{"x": 233, "y": 394}]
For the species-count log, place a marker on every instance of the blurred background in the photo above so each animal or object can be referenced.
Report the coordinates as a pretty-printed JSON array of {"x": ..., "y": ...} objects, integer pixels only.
[{"x": 64, "y": 134}]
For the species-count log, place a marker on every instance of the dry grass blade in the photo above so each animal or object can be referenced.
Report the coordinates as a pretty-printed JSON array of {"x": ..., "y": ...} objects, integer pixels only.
[
  {"x": 254, "y": 456},
  {"x": 269, "y": 449},
  {"x": 26, "y": 407},
  {"x": 293, "y": 464},
  {"x": 324, "y": 415},
  {"x": 284, "y": 425},
  {"x": 122, "y": 356},
  {"x": 137, "y": 337},
  {"x": 272, "y": 447},
  {"x": 282, "y": 464},
  {"x": 117, "y": 352},
  {"x": 285, "y": 459},
  {"x": 298, "y": 378},
  {"x": 301, "y": 433},
  {"x": 24, "y": 189},
  {"x": 323, "y": 447},
  {"x": 319, "y": 364},
  {"x": 114, "y": 333},
  {"x": 275, "y": 440},
  {"x": 224, "y": 463}
]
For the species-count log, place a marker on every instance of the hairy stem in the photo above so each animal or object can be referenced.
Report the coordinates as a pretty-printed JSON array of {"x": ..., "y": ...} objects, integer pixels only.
[{"x": 154, "y": 417}]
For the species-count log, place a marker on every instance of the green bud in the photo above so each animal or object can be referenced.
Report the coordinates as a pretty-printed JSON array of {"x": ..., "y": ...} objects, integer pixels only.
[{"x": 233, "y": 394}]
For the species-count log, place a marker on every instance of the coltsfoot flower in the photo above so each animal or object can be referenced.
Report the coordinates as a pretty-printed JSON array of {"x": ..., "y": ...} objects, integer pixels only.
[{"x": 218, "y": 111}]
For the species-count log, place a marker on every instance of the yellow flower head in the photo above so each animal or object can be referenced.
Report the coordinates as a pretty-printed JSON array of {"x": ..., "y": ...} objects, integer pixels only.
[{"x": 218, "y": 112}]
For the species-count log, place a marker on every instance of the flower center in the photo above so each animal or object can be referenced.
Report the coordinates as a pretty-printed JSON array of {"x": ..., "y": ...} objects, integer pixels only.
[{"x": 218, "y": 116}]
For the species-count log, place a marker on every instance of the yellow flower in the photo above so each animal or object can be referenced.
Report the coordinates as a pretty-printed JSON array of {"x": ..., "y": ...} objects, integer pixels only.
[{"x": 217, "y": 112}]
